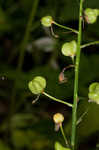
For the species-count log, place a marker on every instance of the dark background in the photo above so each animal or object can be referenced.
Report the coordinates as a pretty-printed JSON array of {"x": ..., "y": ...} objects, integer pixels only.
[{"x": 23, "y": 125}]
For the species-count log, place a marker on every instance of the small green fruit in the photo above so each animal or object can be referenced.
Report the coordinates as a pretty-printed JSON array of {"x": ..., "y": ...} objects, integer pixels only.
[
  {"x": 69, "y": 48},
  {"x": 91, "y": 15},
  {"x": 58, "y": 146},
  {"x": 94, "y": 92},
  {"x": 37, "y": 85},
  {"x": 47, "y": 21},
  {"x": 94, "y": 87}
]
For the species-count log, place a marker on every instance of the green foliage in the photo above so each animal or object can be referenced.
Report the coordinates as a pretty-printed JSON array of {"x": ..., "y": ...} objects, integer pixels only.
[
  {"x": 3, "y": 146},
  {"x": 28, "y": 139},
  {"x": 90, "y": 123}
]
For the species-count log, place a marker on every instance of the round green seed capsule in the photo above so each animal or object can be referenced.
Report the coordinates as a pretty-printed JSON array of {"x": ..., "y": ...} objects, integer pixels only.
[
  {"x": 94, "y": 92},
  {"x": 94, "y": 87},
  {"x": 37, "y": 85},
  {"x": 94, "y": 97},
  {"x": 47, "y": 21},
  {"x": 58, "y": 146},
  {"x": 91, "y": 15},
  {"x": 69, "y": 48}
]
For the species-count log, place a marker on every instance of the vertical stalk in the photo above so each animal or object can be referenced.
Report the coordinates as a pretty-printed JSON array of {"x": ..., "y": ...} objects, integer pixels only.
[
  {"x": 27, "y": 33},
  {"x": 74, "y": 110},
  {"x": 21, "y": 55},
  {"x": 22, "y": 51}
]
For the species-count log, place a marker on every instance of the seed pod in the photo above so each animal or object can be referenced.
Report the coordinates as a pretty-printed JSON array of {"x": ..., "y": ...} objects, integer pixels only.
[
  {"x": 94, "y": 92},
  {"x": 37, "y": 85},
  {"x": 58, "y": 146},
  {"x": 58, "y": 118},
  {"x": 91, "y": 15},
  {"x": 69, "y": 48},
  {"x": 94, "y": 87},
  {"x": 47, "y": 21}
]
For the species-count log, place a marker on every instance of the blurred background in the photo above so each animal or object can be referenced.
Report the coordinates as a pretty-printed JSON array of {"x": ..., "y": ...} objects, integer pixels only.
[{"x": 28, "y": 49}]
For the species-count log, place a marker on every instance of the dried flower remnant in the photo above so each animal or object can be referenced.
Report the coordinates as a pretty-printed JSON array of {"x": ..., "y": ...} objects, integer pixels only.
[
  {"x": 58, "y": 118},
  {"x": 62, "y": 78}
]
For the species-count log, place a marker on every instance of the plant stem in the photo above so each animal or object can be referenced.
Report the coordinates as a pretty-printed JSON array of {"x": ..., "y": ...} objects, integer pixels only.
[
  {"x": 89, "y": 44},
  {"x": 58, "y": 100},
  {"x": 27, "y": 34},
  {"x": 21, "y": 55},
  {"x": 65, "y": 139},
  {"x": 65, "y": 27},
  {"x": 74, "y": 110}
]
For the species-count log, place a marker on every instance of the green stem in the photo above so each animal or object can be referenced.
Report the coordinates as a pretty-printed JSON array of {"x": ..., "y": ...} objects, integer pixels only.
[
  {"x": 89, "y": 44},
  {"x": 27, "y": 34},
  {"x": 21, "y": 55},
  {"x": 64, "y": 27},
  {"x": 65, "y": 139},
  {"x": 74, "y": 110},
  {"x": 58, "y": 100},
  {"x": 20, "y": 62}
]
